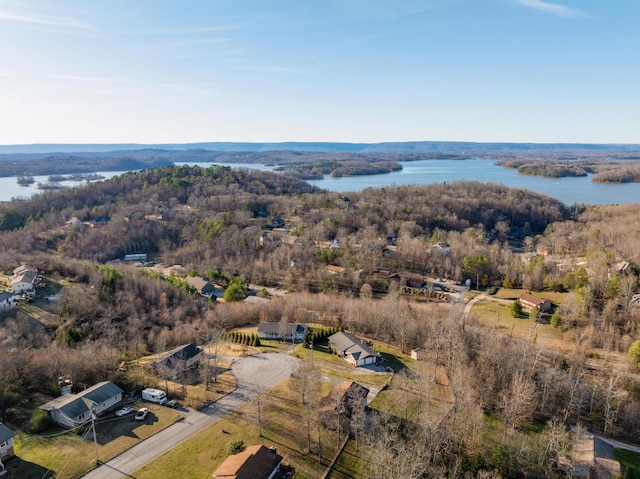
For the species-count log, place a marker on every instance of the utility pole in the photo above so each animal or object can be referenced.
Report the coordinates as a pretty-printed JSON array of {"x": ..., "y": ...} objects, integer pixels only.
[{"x": 95, "y": 437}]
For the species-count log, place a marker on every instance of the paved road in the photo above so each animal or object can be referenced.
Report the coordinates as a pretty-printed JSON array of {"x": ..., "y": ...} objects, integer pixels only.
[{"x": 260, "y": 371}]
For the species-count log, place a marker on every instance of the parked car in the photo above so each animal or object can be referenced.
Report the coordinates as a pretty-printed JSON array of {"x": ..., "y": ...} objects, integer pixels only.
[
  {"x": 141, "y": 414},
  {"x": 124, "y": 411},
  {"x": 173, "y": 403}
]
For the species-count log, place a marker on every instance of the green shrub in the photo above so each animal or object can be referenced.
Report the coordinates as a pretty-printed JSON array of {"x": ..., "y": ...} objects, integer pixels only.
[
  {"x": 516, "y": 309},
  {"x": 235, "y": 446},
  {"x": 40, "y": 421}
]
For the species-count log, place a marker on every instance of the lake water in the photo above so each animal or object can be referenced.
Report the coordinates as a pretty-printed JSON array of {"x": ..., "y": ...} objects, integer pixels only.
[
  {"x": 10, "y": 189},
  {"x": 567, "y": 190}
]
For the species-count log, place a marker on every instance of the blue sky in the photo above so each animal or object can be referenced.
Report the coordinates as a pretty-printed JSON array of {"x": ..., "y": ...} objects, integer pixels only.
[{"x": 151, "y": 71}]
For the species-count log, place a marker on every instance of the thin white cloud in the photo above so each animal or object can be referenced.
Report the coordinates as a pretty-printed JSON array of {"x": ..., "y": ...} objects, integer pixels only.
[
  {"x": 553, "y": 8},
  {"x": 265, "y": 68},
  {"x": 185, "y": 88},
  {"x": 91, "y": 79},
  {"x": 46, "y": 21},
  {"x": 187, "y": 30}
]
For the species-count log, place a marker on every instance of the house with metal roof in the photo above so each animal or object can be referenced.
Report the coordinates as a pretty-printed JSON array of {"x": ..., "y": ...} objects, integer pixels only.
[
  {"x": 352, "y": 349},
  {"x": 73, "y": 410}
]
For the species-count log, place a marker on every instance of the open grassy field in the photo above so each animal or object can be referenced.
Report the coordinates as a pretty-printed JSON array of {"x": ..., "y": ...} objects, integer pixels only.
[
  {"x": 497, "y": 315},
  {"x": 70, "y": 454}
]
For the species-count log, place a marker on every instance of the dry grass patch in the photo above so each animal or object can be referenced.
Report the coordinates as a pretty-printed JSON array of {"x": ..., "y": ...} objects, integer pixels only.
[{"x": 498, "y": 316}]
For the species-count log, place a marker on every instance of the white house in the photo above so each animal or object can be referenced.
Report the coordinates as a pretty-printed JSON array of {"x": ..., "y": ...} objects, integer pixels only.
[
  {"x": 23, "y": 282},
  {"x": 73, "y": 410}
]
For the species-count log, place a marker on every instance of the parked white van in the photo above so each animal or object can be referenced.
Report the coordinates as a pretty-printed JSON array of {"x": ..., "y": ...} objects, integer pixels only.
[{"x": 154, "y": 395}]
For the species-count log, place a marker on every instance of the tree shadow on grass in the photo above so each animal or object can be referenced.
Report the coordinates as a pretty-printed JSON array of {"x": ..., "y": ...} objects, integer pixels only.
[
  {"x": 126, "y": 426},
  {"x": 18, "y": 468},
  {"x": 392, "y": 361}
]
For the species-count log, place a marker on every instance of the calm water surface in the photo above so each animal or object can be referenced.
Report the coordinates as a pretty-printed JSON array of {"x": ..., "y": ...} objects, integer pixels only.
[
  {"x": 567, "y": 190},
  {"x": 10, "y": 189}
]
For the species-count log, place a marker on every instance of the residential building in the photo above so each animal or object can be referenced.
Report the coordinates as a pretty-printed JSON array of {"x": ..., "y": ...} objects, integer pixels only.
[
  {"x": 255, "y": 462},
  {"x": 345, "y": 401},
  {"x": 24, "y": 268},
  {"x": 24, "y": 282},
  {"x": 202, "y": 285},
  {"x": 593, "y": 457},
  {"x": 180, "y": 359},
  {"x": 280, "y": 331},
  {"x": 352, "y": 349},
  {"x": 529, "y": 302},
  {"x": 6, "y": 300},
  {"x": 73, "y": 410},
  {"x": 6, "y": 443}
]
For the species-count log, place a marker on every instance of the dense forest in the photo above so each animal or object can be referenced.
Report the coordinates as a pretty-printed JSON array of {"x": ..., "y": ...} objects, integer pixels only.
[{"x": 271, "y": 229}]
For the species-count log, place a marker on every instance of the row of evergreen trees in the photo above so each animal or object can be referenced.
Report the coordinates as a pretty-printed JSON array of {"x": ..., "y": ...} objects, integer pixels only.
[
  {"x": 251, "y": 339},
  {"x": 319, "y": 335},
  {"x": 244, "y": 338}
]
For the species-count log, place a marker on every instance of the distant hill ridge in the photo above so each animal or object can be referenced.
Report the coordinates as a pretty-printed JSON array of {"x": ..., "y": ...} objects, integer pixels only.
[{"x": 328, "y": 147}]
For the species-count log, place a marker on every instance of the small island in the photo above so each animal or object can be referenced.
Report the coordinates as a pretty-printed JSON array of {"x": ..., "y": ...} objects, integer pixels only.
[
  {"x": 602, "y": 170},
  {"x": 25, "y": 180},
  {"x": 317, "y": 171}
]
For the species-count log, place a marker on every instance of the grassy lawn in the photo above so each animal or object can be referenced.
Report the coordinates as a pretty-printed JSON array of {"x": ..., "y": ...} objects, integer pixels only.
[
  {"x": 498, "y": 316},
  {"x": 70, "y": 454},
  {"x": 630, "y": 462},
  {"x": 351, "y": 463},
  {"x": 284, "y": 427}
]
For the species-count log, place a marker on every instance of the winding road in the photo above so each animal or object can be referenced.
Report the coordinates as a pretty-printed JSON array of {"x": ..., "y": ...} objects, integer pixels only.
[{"x": 262, "y": 371}]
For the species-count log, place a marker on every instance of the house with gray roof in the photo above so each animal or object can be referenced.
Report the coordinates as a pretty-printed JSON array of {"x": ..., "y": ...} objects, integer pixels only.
[
  {"x": 6, "y": 443},
  {"x": 6, "y": 300},
  {"x": 180, "y": 359},
  {"x": 23, "y": 282},
  {"x": 73, "y": 410},
  {"x": 202, "y": 285},
  {"x": 279, "y": 331},
  {"x": 352, "y": 349}
]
